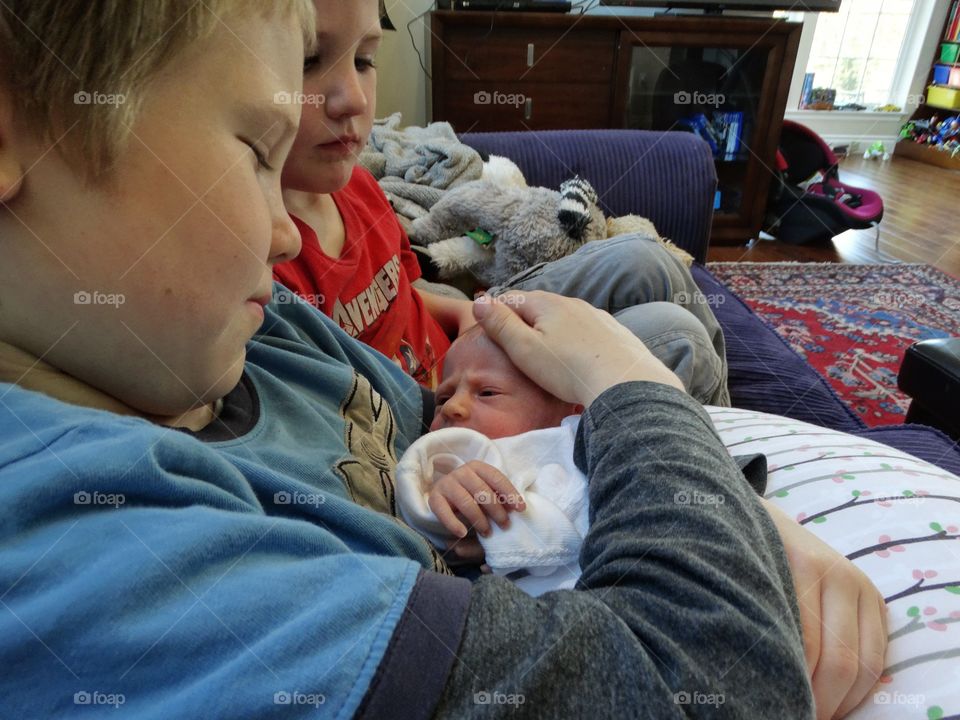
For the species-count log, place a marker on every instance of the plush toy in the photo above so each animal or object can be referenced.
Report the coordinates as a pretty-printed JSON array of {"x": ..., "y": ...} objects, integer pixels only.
[{"x": 493, "y": 229}]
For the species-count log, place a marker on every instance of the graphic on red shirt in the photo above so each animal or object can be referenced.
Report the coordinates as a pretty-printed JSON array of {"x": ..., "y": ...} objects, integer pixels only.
[
  {"x": 367, "y": 290},
  {"x": 365, "y": 308}
]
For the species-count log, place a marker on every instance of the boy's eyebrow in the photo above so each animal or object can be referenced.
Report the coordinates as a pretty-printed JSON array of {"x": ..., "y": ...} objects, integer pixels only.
[{"x": 376, "y": 34}]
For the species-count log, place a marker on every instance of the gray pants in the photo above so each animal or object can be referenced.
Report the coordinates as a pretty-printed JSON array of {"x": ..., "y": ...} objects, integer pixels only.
[{"x": 652, "y": 294}]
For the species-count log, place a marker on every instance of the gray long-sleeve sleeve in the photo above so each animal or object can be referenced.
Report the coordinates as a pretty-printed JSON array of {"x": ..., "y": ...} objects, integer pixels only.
[{"x": 685, "y": 607}]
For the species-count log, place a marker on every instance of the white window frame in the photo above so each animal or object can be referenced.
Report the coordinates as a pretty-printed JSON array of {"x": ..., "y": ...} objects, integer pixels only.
[
  {"x": 906, "y": 64},
  {"x": 921, "y": 44}
]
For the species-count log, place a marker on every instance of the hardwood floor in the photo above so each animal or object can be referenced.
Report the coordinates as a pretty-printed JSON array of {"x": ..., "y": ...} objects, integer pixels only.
[{"x": 921, "y": 222}]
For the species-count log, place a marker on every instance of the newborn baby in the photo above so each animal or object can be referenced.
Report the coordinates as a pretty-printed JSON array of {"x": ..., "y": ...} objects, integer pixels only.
[{"x": 494, "y": 436}]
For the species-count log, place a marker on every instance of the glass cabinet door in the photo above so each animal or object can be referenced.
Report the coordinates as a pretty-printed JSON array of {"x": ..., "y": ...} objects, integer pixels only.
[{"x": 721, "y": 88}]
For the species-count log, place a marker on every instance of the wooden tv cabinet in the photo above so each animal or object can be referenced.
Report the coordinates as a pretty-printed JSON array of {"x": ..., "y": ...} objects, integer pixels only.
[{"x": 542, "y": 71}]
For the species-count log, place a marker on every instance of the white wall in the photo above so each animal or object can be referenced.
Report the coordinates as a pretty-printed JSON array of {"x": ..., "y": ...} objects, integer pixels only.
[{"x": 402, "y": 86}]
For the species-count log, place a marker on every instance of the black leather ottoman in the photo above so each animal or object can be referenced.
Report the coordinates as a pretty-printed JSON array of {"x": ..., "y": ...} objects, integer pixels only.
[{"x": 930, "y": 375}]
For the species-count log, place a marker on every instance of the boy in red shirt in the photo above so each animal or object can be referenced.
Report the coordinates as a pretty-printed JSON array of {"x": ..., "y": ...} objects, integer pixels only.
[
  {"x": 357, "y": 266},
  {"x": 367, "y": 289}
]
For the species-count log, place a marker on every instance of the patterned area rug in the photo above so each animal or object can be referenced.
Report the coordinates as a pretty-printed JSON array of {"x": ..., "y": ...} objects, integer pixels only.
[{"x": 852, "y": 323}]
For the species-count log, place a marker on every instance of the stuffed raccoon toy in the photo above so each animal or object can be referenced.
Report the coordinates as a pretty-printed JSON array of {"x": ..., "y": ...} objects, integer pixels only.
[{"x": 493, "y": 231}]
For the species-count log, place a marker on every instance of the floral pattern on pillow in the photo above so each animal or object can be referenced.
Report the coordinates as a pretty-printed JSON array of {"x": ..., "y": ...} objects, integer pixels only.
[{"x": 897, "y": 518}]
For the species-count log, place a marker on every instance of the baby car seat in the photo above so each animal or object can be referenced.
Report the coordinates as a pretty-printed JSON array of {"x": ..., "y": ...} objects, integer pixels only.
[{"x": 808, "y": 201}]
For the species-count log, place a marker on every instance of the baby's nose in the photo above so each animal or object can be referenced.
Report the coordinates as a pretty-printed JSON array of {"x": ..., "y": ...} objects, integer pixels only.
[{"x": 456, "y": 408}]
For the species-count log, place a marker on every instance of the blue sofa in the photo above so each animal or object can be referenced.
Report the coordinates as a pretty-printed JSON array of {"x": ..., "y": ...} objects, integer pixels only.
[{"x": 670, "y": 178}]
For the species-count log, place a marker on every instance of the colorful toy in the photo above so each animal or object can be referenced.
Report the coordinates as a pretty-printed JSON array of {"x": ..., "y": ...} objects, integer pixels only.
[
  {"x": 877, "y": 150},
  {"x": 948, "y": 130},
  {"x": 919, "y": 131},
  {"x": 941, "y": 134}
]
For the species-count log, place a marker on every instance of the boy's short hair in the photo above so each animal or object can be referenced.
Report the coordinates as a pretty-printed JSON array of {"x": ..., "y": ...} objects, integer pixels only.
[{"x": 79, "y": 68}]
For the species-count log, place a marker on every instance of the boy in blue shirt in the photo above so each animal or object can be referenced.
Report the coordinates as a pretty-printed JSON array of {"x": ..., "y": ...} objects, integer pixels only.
[{"x": 195, "y": 524}]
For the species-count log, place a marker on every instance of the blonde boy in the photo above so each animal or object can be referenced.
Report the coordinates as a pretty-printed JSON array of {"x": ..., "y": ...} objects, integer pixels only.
[{"x": 196, "y": 525}]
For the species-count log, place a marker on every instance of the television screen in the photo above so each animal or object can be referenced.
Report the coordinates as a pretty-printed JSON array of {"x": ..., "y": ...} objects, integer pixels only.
[{"x": 806, "y": 5}]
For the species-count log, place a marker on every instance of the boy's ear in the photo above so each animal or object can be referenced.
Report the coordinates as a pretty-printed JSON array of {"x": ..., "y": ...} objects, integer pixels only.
[
  {"x": 11, "y": 171},
  {"x": 11, "y": 168}
]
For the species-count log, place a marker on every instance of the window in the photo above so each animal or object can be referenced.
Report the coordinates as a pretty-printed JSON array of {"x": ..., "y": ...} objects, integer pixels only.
[{"x": 857, "y": 51}]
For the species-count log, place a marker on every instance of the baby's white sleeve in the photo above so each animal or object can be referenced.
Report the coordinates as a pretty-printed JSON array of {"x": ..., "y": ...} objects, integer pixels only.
[{"x": 427, "y": 460}]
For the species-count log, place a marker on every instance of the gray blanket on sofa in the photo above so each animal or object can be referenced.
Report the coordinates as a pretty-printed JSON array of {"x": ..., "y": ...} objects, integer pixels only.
[{"x": 415, "y": 165}]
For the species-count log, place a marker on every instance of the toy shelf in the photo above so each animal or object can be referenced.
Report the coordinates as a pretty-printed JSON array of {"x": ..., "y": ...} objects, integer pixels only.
[
  {"x": 949, "y": 56},
  {"x": 927, "y": 154}
]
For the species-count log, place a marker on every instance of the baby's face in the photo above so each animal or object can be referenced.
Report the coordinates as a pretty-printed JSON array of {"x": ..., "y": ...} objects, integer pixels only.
[{"x": 484, "y": 391}]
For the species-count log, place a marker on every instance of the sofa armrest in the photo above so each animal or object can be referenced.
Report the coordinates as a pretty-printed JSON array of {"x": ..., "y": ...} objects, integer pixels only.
[
  {"x": 668, "y": 177},
  {"x": 930, "y": 375}
]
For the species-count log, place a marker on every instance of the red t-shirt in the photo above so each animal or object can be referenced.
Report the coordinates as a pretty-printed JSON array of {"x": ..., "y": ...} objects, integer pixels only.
[{"x": 367, "y": 290}]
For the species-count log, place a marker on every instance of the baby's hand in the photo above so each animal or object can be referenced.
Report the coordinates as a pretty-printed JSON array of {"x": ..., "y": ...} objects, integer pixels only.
[{"x": 476, "y": 491}]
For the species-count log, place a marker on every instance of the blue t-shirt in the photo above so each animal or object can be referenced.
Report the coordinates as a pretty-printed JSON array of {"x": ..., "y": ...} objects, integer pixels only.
[{"x": 252, "y": 568}]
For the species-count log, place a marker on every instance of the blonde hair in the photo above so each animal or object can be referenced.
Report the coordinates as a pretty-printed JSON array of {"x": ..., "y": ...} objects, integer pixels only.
[{"x": 82, "y": 66}]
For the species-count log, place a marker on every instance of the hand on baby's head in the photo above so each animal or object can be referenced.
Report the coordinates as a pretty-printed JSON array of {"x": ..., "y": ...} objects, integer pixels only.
[{"x": 484, "y": 391}]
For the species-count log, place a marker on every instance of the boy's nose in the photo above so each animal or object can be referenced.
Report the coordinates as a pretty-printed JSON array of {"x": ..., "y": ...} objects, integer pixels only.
[
  {"x": 350, "y": 99},
  {"x": 285, "y": 242}
]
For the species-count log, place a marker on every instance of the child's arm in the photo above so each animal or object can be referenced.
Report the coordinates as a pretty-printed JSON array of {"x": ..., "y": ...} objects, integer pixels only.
[
  {"x": 453, "y": 315},
  {"x": 476, "y": 491}
]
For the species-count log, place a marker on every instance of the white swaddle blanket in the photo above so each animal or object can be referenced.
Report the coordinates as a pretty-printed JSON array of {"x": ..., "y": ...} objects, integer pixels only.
[{"x": 544, "y": 540}]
